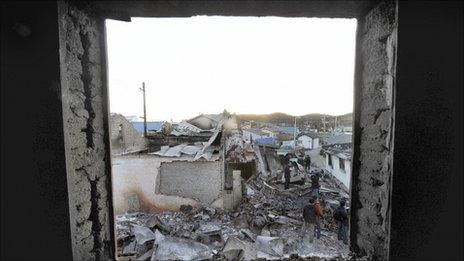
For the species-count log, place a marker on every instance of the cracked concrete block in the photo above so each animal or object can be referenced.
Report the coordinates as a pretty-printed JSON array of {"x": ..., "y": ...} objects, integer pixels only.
[
  {"x": 83, "y": 111},
  {"x": 370, "y": 212}
]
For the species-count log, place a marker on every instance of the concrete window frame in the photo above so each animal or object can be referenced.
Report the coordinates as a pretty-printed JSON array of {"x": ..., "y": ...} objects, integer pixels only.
[{"x": 84, "y": 87}]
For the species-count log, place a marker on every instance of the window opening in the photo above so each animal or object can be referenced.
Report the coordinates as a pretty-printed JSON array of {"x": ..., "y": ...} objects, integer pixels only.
[{"x": 214, "y": 122}]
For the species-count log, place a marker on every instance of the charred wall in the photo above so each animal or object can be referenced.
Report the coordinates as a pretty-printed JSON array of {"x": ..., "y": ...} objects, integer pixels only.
[
  {"x": 34, "y": 197},
  {"x": 425, "y": 111},
  {"x": 427, "y": 197},
  {"x": 86, "y": 131},
  {"x": 200, "y": 180},
  {"x": 373, "y": 133}
]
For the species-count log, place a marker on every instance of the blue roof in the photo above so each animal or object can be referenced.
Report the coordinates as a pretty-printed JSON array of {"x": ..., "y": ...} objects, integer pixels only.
[
  {"x": 151, "y": 125},
  {"x": 266, "y": 141}
]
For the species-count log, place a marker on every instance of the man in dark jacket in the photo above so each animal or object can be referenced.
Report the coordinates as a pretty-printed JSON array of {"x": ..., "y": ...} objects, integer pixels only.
[
  {"x": 315, "y": 185},
  {"x": 287, "y": 175},
  {"x": 307, "y": 163},
  {"x": 311, "y": 215},
  {"x": 341, "y": 216}
]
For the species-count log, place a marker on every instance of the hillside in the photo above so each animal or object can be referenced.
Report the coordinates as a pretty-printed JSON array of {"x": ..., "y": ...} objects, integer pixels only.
[{"x": 313, "y": 119}]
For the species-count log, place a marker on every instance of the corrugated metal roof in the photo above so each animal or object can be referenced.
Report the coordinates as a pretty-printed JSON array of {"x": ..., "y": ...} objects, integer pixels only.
[
  {"x": 266, "y": 141},
  {"x": 151, "y": 125}
]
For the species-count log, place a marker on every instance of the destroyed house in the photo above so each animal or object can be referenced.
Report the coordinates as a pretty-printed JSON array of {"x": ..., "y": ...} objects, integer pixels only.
[
  {"x": 205, "y": 121},
  {"x": 205, "y": 177},
  {"x": 124, "y": 137},
  {"x": 338, "y": 162},
  {"x": 407, "y": 92}
]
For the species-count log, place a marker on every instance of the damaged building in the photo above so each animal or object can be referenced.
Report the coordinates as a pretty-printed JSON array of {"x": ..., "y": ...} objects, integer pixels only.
[
  {"x": 338, "y": 162},
  {"x": 124, "y": 137},
  {"x": 206, "y": 177},
  {"x": 56, "y": 189}
]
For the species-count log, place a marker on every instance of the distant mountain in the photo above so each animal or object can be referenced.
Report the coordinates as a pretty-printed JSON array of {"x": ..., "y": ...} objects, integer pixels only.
[{"x": 315, "y": 120}]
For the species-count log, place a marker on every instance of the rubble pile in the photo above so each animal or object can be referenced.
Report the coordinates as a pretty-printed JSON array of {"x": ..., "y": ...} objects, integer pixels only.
[{"x": 266, "y": 225}]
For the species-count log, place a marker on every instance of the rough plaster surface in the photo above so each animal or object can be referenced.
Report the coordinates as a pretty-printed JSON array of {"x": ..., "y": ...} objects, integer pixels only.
[
  {"x": 131, "y": 139},
  {"x": 373, "y": 170},
  {"x": 135, "y": 179},
  {"x": 201, "y": 180},
  {"x": 87, "y": 155},
  {"x": 231, "y": 199}
]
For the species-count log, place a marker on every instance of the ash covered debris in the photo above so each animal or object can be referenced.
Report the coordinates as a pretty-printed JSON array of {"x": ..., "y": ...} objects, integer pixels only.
[
  {"x": 266, "y": 225},
  {"x": 242, "y": 213}
]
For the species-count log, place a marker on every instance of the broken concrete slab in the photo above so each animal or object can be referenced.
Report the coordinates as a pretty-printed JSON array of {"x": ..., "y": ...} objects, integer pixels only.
[
  {"x": 273, "y": 246},
  {"x": 174, "y": 248},
  {"x": 146, "y": 256},
  {"x": 143, "y": 234},
  {"x": 233, "y": 243}
]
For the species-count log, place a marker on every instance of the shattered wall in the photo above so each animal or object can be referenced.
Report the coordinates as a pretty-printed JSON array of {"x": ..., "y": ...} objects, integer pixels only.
[
  {"x": 200, "y": 180},
  {"x": 131, "y": 140},
  {"x": 85, "y": 117},
  {"x": 372, "y": 157}
]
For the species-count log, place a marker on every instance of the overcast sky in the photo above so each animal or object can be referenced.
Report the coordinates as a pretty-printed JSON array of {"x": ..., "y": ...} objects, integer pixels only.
[{"x": 206, "y": 64}]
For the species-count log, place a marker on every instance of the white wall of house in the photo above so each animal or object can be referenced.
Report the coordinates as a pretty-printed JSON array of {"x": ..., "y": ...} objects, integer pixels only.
[
  {"x": 316, "y": 143},
  {"x": 308, "y": 142},
  {"x": 343, "y": 175},
  {"x": 305, "y": 142}
]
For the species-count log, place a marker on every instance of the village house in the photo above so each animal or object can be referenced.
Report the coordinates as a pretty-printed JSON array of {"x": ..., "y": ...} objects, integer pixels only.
[
  {"x": 286, "y": 140},
  {"x": 308, "y": 140},
  {"x": 338, "y": 162}
]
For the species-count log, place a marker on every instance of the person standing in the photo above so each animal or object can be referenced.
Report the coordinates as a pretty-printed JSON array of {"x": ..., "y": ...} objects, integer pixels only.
[
  {"x": 287, "y": 175},
  {"x": 319, "y": 216},
  {"x": 311, "y": 227},
  {"x": 308, "y": 163},
  {"x": 315, "y": 185},
  {"x": 341, "y": 216},
  {"x": 121, "y": 138}
]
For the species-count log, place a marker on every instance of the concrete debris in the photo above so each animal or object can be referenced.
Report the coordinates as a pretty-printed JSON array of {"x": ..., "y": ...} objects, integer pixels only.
[
  {"x": 146, "y": 256},
  {"x": 177, "y": 151},
  {"x": 267, "y": 224},
  {"x": 273, "y": 246},
  {"x": 175, "y": 248},
  {"x": 143, "y": 234},
  {"x": 233, "y": 254},
  {"x": 248, "y": 248}
]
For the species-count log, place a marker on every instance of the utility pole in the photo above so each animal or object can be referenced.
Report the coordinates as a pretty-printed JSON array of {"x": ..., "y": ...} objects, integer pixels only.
[
  {"x": 335, "y": 123},
  {"x": 144, "y": 111},
  {"x": 323, "y": 122},
  {"x": 294, "y": 135}
]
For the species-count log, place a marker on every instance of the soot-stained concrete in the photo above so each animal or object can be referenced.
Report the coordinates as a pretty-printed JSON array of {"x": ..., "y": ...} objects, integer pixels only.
[
  {"x": 86, "y": 132},
  {"x": 373, "y": 148},
  {"x": 200, "y": 180}
]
